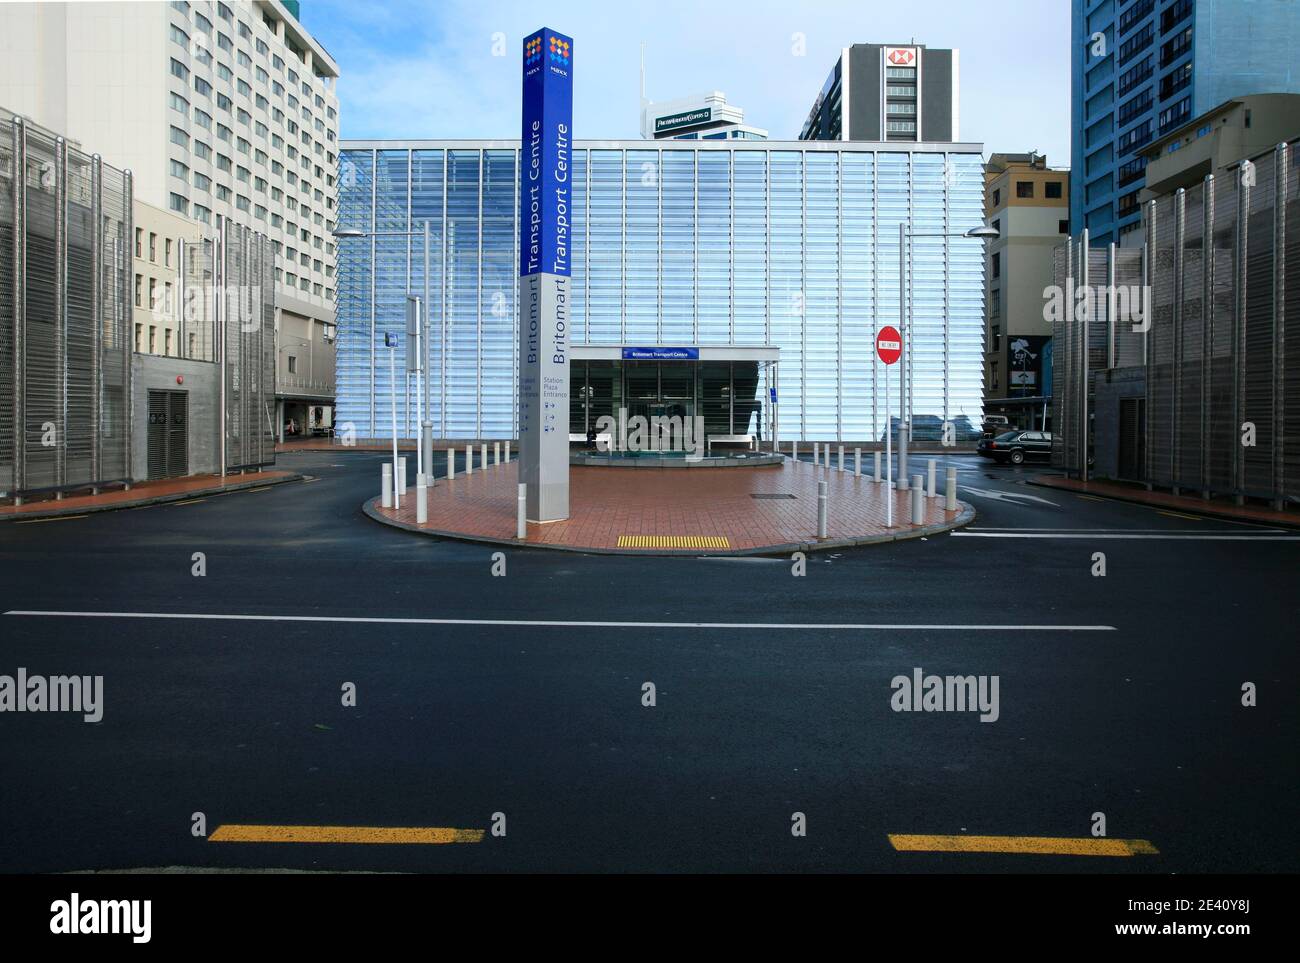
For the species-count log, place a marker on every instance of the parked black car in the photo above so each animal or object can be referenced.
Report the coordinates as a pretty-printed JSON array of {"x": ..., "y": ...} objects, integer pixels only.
[{"x": 1017, "y": 446}]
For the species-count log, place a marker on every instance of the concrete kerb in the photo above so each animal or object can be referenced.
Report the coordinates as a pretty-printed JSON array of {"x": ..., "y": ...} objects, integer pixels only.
[
  {"x": 964, "y": 517},
  {"x": 153, "y": 499}
]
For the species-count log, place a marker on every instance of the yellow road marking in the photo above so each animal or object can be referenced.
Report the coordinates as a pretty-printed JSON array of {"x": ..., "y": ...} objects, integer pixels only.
[
  {"x": 52, "y": 518},
  {"x": 673, "y": 541},
  {"x": 426, "y": 835},
  {"x": 1037, "y": 845},
  {"x": 190, "y": 501},
  {"x": 1195, "y": 518},
  {"x": 264, "y": 488}
]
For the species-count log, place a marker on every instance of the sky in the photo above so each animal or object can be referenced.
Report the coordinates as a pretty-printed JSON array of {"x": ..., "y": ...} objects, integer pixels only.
[{"x": 451, "y": 68}]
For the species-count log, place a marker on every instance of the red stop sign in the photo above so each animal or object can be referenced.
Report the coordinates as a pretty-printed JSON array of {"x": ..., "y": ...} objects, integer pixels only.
[{"x": 889, "y": 344}]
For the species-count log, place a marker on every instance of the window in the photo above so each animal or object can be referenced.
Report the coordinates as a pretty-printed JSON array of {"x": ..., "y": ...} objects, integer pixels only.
[
  {"x": 224, "y": 73},
  {"x": 203, "y": 23},
  {"x": 139, "y": 335},
  {"x": 202, "y": 118},
  {"x": 167, "y": 339},
  {"x": 180, "y": 138},
  {"x": 263, "y": 77},
  {"x": 244, "y": 117},
  {"x": 242, "y": 174},
  {"x": 993, "y": 376},
  {"x": 244, "y": 87},
  {"x": 153, "y": 294},
  {"x": 202, "y": 150},
  {"x": 179, "y": 204},
  {"x": 995, "y": 340},
  {"x": 242, "y": 202},
  {"x": 293, "y": 364},
  {"x": 245, "y": 31},
  {"x": 262, "y": 49},
  {"x": 1024, "y": 188},
  {"x": 225, "y": 43},
  {"x": 243, "y": 146},
  {"x": 997, "y": 264},
  {"x": 223, "y": 193},
  {"x": 223, "y": 163},
  {"x": 202, "y": 182},
  {"x": 153, "y": 339},
  {"x": 259, "y": 212},
  {"x": 243, "y": 59},
  {"x": 1063, "y": 227},
  {"x": 224, "y": 133},
  {"x": 203, "y": 214},
  {"x": 180, "y": 70},
  {"x": 1053, "y": 188},
  {"x": 224, "y": 13},
  {"x": 223, "y": 102},
  {"x": 997, "y": 197},
  {"x": 202, "y": 87},
  {"x": 180, "y": 104},
  {"x": 179, "y": 36},
  {"x": 179, "y": 170},
  {"x": 139, "y": 283}
]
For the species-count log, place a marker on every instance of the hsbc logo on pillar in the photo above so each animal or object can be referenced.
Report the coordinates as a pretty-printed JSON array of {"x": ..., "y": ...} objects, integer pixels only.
[{"x": 900, "y": 56}]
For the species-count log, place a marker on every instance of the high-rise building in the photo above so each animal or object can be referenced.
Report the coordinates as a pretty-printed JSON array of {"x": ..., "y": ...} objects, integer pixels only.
[
  {"x": 218, "y": 109},
  {"x": 702, "y": 117},
  {"x": 1142, "y": 68},
  {"x": 745, "y": 272},
  {"x": 1028, "y": 204},
  {"x": 885, "y": 92}
]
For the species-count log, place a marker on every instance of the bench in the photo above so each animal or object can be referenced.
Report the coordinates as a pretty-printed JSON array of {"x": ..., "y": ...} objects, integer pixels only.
[{"x": 747, "y": 440}]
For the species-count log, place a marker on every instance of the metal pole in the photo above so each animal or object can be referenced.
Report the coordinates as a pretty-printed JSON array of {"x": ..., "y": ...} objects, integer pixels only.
[
  {"x": 929, "y": 488},
  {"x": 496, "y": 453},
  {"x": 950, "y": 490},
  {"x": 889, "y": 461},
  {"x": 521, "y": 512},
  {"x": 918, "y": 501},
  {"x": 1207, "y": 326},
  {"x": 902, "y": 366},
  {"x": 219, "y": 301},
  {"x": 128, "y": 341},
  {"x": 19, "y": 185},
  {"x": 96, "y": 318},
  {"x": 1279, "y": 433},
  {"x": 875, "y": 473},
  {"x": 821, "y": 509},
  {"x": 1083, "y": 358},
  {"x": 392, "y": 398},
  {"x": 857, "y": 462},
  {"x": 61, "y": 314},
  {"x": 401, "y": 474},
  {"x": 841, "y": 457},
  {"x": 469, "y": 459},
  {"x": 421, "y": 500},
  {"x": 386, "y": 485},
  {"x": 426, "y": 427},
  {"x": 451, "y": 463}
]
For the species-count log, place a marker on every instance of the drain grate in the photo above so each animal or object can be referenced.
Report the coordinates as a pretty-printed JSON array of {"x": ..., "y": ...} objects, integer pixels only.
[{"x": 770, "y": 495}]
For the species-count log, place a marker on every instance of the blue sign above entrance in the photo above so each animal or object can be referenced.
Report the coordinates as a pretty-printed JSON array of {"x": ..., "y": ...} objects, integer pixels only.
[{"x": 661, "y": 354}]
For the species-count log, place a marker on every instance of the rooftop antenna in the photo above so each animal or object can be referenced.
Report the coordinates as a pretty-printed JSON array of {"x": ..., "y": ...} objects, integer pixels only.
[{"x": 643, "y": 100}]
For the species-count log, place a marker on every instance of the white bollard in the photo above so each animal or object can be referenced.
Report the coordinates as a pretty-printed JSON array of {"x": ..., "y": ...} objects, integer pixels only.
[
  {"x": 507, "y": 451},
  {"x": 841, "y": 457},
  {"x": 451, "y": 463},
  {"x": 794, "y": 450},
  {"x": 821, "y": 509},
  {"x": 386, "y": 479},
  {"x": 929, "y": 487},
  {"x": 857, "y": 462},
  {"x": 950, "y": 485},
  {"x": 918, "y": 501},
  {"x": 469, "y": 459},
  {"x": 817, "y": 453},
  {"x": 496, "y": 452},
  {"x": 875, "y": 472},
  {"x": 401, "y": 475},
  {"x": 421, "y": 499},
  {"x": 482, "y": 462},
  {"x": 521, "y": 519}
]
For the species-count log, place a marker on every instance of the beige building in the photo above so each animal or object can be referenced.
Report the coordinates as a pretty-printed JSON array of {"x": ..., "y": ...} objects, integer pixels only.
[
  {"x": 156, "y": 283},
  {"x": 219, "y": 110},
  {"x": 1028, "y": 203}
]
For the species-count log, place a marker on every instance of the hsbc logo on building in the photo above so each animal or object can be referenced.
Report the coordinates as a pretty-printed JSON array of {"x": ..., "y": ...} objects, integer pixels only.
[{"x": 900, "y": 56}]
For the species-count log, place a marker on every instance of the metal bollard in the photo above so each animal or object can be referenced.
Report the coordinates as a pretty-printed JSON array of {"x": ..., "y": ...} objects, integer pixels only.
[
  {"x": 401, "y": 475},
  {"x": 817, "y": 453},
  {"x": 469, "y": 459},
  {"x": 875, "y": 476},
  {"x": 482, "y": 462},
  {"x": 918, "y": 501},
  {"x": 451, "y": 463},
  {"x": 841, "y": 457},
  {"x": 421, "y": 500},
  {"x": 950, "y": 490},
  {"x": 386, "y": 480},
  {"x": 507, "y": 451},
  {"x": 857, "y": 462},
  {"x": 929, "y": 487},
  {"x": 426, "y": 449},
  {"x": 794, "y": 450},
  {"x": 521, "y": 519},
  {"x": 821, "y": 509},
  {"x": 496, "y": 452}
]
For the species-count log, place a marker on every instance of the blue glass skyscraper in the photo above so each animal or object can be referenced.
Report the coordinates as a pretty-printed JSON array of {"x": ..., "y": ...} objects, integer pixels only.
[{"x": 1140, "y": 68}]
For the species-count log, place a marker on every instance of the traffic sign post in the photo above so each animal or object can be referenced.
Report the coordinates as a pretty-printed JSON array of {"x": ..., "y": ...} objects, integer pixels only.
[{"x": 889, "y": 348}]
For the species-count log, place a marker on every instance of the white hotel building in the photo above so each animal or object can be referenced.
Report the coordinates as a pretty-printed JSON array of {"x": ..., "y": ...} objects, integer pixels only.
[{"x": 217, "y": 108}]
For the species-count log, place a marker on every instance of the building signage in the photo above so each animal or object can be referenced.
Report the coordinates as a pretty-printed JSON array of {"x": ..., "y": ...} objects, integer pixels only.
[
  {"x": 1028, "y": 378},
  {"x": 661, "y": 354},
  {"x": 900, "y": 56},
  {"x": 691, "y": 118},
  {"x": 544, "y": 284}
]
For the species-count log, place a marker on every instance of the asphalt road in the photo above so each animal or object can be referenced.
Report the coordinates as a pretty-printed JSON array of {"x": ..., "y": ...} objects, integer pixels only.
[{"x": 242, "y": 720}]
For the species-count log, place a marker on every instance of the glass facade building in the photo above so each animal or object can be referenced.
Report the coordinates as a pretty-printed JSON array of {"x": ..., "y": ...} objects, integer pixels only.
[{"x": 730, "y": 249}]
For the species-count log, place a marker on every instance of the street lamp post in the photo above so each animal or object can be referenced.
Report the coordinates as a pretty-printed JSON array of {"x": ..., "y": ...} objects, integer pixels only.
[
  {"x": 426, "y": 422},
  {"x": 904, "y": 296}
]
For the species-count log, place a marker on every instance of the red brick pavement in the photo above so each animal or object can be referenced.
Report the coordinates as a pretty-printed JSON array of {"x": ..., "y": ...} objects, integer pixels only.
[
  {"x": 166, "y": 489},
  {"x": 608, "y": 502}
]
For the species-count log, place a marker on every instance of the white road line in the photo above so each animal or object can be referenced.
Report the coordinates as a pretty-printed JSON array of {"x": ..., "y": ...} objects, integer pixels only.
[
  {"x": 839, "y": 626},
  {"x": 1132, "y": 535},
  {"x": 1134, "y": 531}
]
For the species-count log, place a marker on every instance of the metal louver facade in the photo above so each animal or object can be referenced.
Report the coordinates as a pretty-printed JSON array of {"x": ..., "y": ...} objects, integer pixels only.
[
  {"x": 65, "y": 348},
  {"x": 1220, "y": 265}
]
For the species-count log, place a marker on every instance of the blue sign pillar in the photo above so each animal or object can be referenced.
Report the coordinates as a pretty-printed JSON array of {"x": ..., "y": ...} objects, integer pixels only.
[{"x": 544, "y": 285}]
